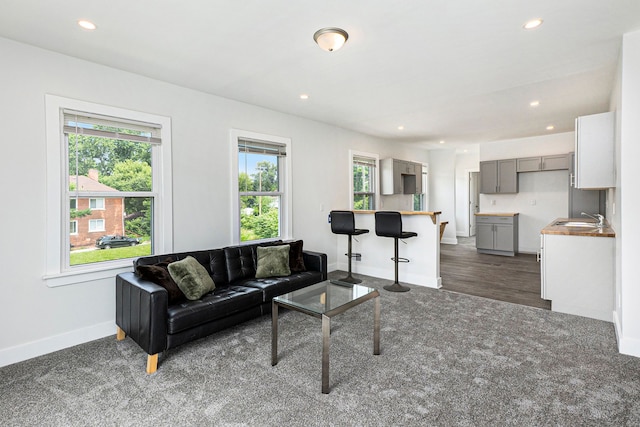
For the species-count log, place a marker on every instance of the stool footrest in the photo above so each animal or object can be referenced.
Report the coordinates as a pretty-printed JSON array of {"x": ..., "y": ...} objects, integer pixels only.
[{"x": 400, "y": 259}]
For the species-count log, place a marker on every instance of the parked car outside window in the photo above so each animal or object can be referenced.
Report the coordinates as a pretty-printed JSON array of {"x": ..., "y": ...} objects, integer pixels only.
[{"x": 112, "y": 241}]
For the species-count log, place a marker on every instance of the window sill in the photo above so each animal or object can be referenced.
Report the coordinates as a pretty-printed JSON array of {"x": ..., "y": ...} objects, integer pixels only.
[{"x": 86, "y": 275}]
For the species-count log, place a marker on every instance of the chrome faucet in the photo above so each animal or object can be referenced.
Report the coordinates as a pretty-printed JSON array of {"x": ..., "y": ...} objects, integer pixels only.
[{"x": 597, "y": 217}]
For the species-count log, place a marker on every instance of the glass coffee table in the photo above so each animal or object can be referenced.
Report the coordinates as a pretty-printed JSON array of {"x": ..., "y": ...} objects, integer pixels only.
[{"x": 325, "y": 300}]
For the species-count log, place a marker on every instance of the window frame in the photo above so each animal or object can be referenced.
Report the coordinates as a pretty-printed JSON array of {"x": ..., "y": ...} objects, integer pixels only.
[
  {"x": 284, "y": 175},
  {"x": 96, "y": 221},
  {"x": 376, "y": 178},
  {"x": 95, "y": 199},
  {"x": 58, "y": 272}
]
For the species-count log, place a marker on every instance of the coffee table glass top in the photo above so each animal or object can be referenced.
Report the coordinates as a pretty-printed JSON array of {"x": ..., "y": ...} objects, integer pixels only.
[{"x": 326, "y": 297}]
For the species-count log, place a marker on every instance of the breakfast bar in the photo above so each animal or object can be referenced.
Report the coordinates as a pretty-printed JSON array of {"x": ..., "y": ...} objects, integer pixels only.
[{"x": 376, "y": 252}]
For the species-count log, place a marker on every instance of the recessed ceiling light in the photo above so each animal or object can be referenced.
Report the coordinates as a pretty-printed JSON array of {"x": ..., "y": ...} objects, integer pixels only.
[
  {"x": 400, "y": 127},
  {"x": 550, "y": 127},
  {"x": 87, "y": 25},
  {"x": 304, "y": 96},
  {"x": 534, "y": 103},
  {"x": 534, "y": 23},
  {"x": 441, "y": 142},
  {"x": 465, "y": 151}
]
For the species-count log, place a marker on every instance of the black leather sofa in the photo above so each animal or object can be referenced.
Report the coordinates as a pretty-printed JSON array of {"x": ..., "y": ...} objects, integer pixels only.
[{"x": 143, "y": 311}]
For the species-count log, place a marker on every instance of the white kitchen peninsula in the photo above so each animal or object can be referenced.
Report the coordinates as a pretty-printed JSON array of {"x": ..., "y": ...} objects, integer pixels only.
[{"x": 423, "y": 251}]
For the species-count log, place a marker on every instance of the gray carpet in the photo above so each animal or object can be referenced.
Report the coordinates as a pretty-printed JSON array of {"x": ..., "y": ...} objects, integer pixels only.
[{"x": 447, "y": 359}]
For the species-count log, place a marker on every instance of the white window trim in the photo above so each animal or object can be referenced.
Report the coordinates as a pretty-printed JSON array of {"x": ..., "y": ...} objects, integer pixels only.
[
  {"x": 57, "y": 273},
  {"x": 352, "y": 154},
  {"x": 96, "y": 199},
  {"x": 285, "y": 209},
  {"x": 96, "y": 221}
]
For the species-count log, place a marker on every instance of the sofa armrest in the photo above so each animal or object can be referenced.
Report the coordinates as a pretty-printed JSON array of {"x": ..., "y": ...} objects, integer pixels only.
[
  {"x": 141, "y": 311},
  {"x": 315, "y": 261}
]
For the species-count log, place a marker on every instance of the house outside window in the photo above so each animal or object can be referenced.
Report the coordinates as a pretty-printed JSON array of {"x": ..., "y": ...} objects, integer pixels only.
[
  {"x": 263, "y": 198},
  {"x": 113, "y": 163},
  {"x": 364, "y": 179}
]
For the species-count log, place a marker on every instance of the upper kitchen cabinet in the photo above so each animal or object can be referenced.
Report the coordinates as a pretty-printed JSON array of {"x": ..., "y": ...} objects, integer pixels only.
[
  {"x": 595, "y": 151},
  {"x": 400, "y": 177},
  {"x": 544, "y": 163},
  {"x": 499, "y": 176}
]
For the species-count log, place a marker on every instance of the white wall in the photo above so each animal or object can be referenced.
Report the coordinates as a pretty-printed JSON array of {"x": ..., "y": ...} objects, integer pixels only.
[
  {"x": 37, "y": 319},
  {"x": 542, "y": 196},
  {"x": 442, "y": 190},
  {"x": 626, "y": 99},
  {"x": 465, "y": 163}
]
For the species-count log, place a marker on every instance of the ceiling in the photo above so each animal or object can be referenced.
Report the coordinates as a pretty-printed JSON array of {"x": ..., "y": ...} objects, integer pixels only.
[{"x": 459, "y": 71}]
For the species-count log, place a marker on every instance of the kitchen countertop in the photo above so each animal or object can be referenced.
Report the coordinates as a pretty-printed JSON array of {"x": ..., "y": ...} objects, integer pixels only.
[
  {"x": 431, "y": 214},
  {"x": 605, "y": 231},
  {"x": 496, "y": 214}
]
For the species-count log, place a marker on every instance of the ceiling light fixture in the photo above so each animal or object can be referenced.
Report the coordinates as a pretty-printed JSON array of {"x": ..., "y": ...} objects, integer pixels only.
[
  {"x": 330, "y": 38},
  {"x": 550, "y": 127},
  {"x": 400, "y": 127},
  {"x": 534, "y": 23},
  {"x": 87, "y": 25},
  {"x": 304, "y": 96},
  {"x": 441, "y": 142},
  {"x": 534, "y": 103}
]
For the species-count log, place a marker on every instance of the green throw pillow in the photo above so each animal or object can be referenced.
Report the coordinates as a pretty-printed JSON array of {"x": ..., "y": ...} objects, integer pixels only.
[
  {"x": 273, "y": 261},
  {"x": 191, "y": 277}
]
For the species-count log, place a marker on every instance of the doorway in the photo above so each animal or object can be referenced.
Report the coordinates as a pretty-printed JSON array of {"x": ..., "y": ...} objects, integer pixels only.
[{"x": 474, "y": 201}]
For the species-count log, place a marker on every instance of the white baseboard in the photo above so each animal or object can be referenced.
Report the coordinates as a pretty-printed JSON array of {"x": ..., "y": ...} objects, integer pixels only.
[
  {"x": 19, "y": 353},
  {"x": 628, "y": 346},
  {"x": 449, "y": 241}
]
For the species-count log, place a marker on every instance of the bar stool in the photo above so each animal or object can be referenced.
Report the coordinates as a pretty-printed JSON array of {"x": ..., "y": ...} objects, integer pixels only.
[
  {"x": 343, "y": 222},
  {"x": 389, "y": 224}
]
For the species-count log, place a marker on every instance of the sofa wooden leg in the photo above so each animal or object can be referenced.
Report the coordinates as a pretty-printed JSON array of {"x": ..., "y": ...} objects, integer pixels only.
[
  {"x": 120, "y": 335},
  {"x": 152, "y": 363}
]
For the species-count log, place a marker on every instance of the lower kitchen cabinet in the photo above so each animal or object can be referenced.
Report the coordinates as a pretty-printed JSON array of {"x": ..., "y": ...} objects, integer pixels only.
[
  {"x": 577, "y": 274},
  {"x": 497, "y": 234}
]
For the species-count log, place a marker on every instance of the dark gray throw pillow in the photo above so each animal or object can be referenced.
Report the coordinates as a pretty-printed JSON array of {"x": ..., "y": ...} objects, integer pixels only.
[
  {"x": 191, "y": 277},
  {"x": 272, "y": 261}
]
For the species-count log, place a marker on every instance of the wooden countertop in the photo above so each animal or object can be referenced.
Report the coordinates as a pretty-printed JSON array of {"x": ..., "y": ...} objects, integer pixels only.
[
  {"x": 605, "y": 231},
  {"x": 496, "y": 214},
  {"x": 431, "y": 214}
]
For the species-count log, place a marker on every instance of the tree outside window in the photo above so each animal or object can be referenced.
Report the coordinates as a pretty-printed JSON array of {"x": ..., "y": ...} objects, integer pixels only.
[{"x": 364, "y": 178}]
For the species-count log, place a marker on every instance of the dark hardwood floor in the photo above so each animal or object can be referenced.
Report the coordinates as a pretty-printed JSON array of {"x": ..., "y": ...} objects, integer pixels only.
[{"x": 512, "y": 279}]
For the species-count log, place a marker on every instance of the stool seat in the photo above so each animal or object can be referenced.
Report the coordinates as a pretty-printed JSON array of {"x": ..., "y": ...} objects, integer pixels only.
[
  {"x": 343, "y": 222},
  {"x": 389, "y": 224}
]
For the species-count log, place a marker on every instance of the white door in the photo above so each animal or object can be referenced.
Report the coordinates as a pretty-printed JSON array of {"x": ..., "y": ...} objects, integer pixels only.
[{"x": 474, "y": 201}]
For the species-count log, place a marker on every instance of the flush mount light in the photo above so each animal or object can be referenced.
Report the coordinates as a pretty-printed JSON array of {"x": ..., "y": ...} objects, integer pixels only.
[
  {"x": 330, "y": 38},
  {"x": 304, "y": 96},
  {"x": 87, "y": 25},
  {"x": 534, "y": 23},
  {"x": 534, "y": 103}
]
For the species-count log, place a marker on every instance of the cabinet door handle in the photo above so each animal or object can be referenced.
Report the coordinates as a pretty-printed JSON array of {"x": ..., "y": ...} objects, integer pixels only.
[
  {"x": 572, "y": 180},
  {"x": 538, "y": 256}
]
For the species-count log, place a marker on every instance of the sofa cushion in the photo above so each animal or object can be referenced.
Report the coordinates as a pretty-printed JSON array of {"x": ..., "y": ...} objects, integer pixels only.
[
  {"x": 296, "y": 260},
  {"x": 274, "y": 286},
  {"x": 272, "y": 261},
  {"x": 222, "y": 302},
  {"x": 159, "y": 274},
  {"x": 191, "y": 277},
  {"x": 240, "y": 263}
]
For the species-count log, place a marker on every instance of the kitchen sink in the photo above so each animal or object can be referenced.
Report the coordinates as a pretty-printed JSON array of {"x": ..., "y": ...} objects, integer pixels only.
[{"x": 583, "y": 224}]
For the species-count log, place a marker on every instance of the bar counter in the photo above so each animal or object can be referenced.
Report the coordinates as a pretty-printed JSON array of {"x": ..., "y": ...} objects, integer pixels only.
[{"x": 423, "y": 251}]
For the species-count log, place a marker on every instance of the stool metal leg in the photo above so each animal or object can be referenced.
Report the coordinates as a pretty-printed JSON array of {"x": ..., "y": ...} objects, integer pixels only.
[
  {"x": 397, "y": 287},
  {"x": 350, "y": 278}
]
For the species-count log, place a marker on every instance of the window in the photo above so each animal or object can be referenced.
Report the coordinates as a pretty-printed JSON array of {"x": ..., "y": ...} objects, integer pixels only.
[
  {"x": 96, "y": 204},
  {"x": 421, "y": 200},
  {"x": 114, "y": 165},
  {"x": 363, "y": 169},
  {"x": 96, "y": 225},
  {"x": 263, "y": 209}
]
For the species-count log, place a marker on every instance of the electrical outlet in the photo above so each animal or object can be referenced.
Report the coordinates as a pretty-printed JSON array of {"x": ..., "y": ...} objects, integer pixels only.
[{"x": 493, "y": 201}]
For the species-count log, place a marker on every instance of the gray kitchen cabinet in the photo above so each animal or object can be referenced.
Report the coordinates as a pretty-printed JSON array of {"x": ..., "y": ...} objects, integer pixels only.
[
  {"x": 400, "y": 177},
  {"x": 497, "y": 234},
  {"x": 543, "y": 163},
  {"x": 498, "y": 176},
  {"x": 595, "y": 151}
]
